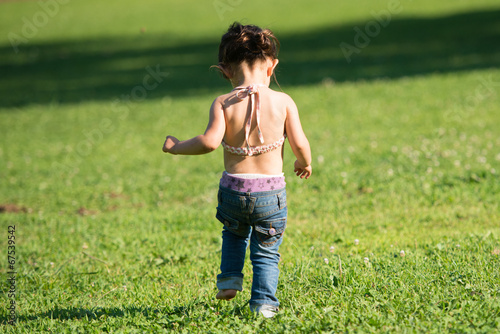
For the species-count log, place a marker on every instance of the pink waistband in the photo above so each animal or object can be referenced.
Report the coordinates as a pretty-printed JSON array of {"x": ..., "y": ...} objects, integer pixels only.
[{"x": 252, "y": 185}]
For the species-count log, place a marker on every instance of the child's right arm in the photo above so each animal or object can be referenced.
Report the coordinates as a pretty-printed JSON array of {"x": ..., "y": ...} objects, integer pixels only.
[
  {"x": 298, "y": 141},
  {"x": 204, "y": 143}
]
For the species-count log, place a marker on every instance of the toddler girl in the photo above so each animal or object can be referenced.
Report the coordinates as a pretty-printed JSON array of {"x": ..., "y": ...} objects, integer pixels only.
[{"x": 251, "y": 122}]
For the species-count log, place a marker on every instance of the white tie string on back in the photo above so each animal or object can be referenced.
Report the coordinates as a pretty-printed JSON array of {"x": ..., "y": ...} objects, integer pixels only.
[{"x": 253, "y": 92}]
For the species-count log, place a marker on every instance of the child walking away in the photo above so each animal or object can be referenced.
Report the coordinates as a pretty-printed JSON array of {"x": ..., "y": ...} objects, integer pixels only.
[{"x": 251, "y": 122}]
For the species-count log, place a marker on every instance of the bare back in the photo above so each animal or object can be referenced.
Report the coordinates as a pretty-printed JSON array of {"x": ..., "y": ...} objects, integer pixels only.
[{"x": 273, "y": 112}]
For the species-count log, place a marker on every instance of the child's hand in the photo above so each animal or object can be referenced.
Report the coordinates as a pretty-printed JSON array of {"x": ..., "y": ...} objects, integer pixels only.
[
  {"x": 169, "y": 144},
  {"x": 302, "y": 171}
]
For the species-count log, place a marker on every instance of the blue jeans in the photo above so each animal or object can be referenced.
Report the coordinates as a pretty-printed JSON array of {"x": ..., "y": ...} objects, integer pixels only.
[{"x": 260, "y": 218}]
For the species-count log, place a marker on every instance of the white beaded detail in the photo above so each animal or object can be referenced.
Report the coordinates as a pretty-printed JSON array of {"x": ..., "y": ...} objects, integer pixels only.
[{"x": 254, "y": 150}]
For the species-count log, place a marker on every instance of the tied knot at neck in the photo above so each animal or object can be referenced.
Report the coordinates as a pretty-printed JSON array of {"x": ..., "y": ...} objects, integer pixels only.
[
  {"x": 246, "y": 91},
  {"x": 253, "y": 92}
]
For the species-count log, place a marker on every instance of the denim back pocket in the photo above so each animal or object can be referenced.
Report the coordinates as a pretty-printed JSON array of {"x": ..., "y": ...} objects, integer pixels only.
[
  {"x": 270, "y": 231},
  {"x": 233, "y": 225}
]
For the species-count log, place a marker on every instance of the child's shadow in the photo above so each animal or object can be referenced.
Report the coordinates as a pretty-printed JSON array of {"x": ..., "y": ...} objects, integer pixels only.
[
  {"x": 168, "y": 314},
  {"x": 78, "y": 313}
]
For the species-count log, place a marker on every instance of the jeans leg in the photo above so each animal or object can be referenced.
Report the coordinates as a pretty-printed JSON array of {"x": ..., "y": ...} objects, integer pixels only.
[
  {"x": 265, "y": 261},
  {"x": 232, "y": 260}
]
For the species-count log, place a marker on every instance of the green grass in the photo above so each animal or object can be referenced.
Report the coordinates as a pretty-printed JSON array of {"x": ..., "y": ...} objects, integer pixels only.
[{"x": 114, "y": 236}]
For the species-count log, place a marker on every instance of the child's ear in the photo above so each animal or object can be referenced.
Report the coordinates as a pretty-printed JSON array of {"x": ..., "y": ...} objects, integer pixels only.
[
  {"x": 271, "y": 65},
  {"x": 226, "y": 71}
]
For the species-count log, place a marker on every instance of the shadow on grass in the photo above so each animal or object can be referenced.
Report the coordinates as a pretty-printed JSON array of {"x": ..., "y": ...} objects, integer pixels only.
[
  {"x": 77, "y": 313},
  {"x": 168, "y": 315},
  {"x": 109, "y": 69}
]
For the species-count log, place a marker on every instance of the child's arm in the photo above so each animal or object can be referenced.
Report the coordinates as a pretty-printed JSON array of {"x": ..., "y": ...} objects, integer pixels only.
[
  {"x": 298, "y": 142},
  {"x": 201, "y": 144}
]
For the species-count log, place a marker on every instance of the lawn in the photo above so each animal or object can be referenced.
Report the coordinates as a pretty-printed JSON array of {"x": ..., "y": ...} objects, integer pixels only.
[{"x": 398, "y": 229}]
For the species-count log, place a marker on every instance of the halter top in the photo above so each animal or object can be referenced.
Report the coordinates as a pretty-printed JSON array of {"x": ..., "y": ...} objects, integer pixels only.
[{"x": 253, "y": 92}]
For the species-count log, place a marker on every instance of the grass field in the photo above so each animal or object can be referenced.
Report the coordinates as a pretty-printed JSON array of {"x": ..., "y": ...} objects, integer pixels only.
[{"x": 397, "y": 231}]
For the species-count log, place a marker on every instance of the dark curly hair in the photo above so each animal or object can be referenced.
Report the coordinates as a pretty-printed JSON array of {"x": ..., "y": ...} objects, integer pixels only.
[{"x": 246, "y": 43}]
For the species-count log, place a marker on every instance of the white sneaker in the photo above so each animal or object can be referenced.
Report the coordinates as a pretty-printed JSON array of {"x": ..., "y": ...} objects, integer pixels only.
[{"x": 267, "y": 311}]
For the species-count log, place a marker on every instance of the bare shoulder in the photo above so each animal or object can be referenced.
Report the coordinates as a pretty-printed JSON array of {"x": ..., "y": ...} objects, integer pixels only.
[
  {"x": 221, "y": 98},
  {"x": 284, "y": 98},
  {"x": 226, "y": 100}
]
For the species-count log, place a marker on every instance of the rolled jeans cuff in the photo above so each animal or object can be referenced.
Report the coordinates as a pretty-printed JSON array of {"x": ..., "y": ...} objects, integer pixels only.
[{"x": 234, "y": 283}]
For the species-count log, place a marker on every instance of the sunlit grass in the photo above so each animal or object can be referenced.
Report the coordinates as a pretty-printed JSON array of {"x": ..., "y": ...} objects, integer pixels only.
[{"x": 396, "y": 231}]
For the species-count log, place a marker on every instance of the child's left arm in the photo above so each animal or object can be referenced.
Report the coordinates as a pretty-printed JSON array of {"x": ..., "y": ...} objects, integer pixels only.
[{"x": 201, "y": 144}]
